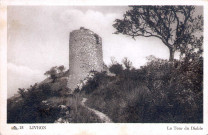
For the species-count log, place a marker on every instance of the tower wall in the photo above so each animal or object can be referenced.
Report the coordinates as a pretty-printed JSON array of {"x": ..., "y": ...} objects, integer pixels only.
[{"x": 85, "y": 54}]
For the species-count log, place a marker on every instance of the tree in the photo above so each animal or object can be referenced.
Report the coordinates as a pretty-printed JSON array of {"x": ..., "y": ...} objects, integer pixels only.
[
  {"x": 113, "y": 60},
  {"x": 55, "y": 72},
  {"x": 116, "y": 69},
  {"x": 127, "y": 63},
  {"x": 21, "y": 92},
  {"x": 61, "y": 68},
  {"x": 173, "y": 25},
  {"x": 52, "y": 73}
]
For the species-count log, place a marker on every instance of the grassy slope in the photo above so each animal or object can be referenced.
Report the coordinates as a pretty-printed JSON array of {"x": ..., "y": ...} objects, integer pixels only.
[{"x": 159, "y": 92}]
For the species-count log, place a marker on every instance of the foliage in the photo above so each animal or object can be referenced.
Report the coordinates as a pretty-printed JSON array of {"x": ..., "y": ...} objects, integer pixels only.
[
  {"x": 175, "y": 26},
  {"x": 94, "y": 82},
  {"x": 127, "y": 63},
  {"x": 29, "y": 108},
  {"x": 116, "y": 69},
  {"x": 179, "y": 88},
  {"x": 83, "y": 115},
  {"x": 77, "y": 113},
  {"x": 54, "y": 72},
  {"x": 61, "y": 68},
  {"x": 160, "y": 91},
  {"x": 41, "y": 104}
]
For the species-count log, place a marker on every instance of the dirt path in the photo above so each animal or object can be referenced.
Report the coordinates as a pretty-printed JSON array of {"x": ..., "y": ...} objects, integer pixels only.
[{"x": 101, "y": 115}]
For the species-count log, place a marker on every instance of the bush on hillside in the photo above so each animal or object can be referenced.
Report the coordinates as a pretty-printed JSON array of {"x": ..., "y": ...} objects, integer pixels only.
[
  {"x": 176, "y": 90},
  {"x": 94, "y": 82},
  {"x": 30, "y": 109},
  {"x": 55, "y": 72},
  {"x": 44, "y": 103},
  {"x": 116, "y": 69},
  {"x": 161, "y": 91},
  {"x": 127, "y": 63}
]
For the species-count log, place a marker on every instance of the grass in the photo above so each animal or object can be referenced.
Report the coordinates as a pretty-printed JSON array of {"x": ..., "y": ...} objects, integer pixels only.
[{"x": 78, "y": 113}]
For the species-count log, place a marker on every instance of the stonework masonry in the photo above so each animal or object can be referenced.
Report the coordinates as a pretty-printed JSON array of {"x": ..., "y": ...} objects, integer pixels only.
[{"x": 85, "y": 55}]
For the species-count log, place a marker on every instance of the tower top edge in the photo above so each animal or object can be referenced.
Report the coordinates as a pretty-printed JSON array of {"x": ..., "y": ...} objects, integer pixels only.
[{"x": 84, "y": 30}]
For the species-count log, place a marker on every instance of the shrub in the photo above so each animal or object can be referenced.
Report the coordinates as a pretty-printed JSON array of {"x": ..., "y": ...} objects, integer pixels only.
[
  {"x": 161, "y": 91},
  {"x": 116, "y": 69},
  {"x": 29, "y": 108},
  {"x": 55, "y": 72},
  {"x": 94, "y": 82},
  {"x": 176, "y": 89}
]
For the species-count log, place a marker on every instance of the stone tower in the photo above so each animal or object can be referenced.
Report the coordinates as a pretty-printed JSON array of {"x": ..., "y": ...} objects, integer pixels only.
[{"x": 85, "y": 54}]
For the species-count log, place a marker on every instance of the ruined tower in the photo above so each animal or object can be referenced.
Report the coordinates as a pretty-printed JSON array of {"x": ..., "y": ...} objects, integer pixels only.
[{"x": 85, "y": 54}]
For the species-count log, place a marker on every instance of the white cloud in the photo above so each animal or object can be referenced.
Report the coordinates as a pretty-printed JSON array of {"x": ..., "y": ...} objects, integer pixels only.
[
  {"x": 94, "y": 20},
  {"x": 21, "y": 69},
  {"x": 21, "y": 77}
]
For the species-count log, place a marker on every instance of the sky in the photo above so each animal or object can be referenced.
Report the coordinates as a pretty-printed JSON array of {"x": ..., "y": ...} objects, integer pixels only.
[{"x": 38, "y": 39}]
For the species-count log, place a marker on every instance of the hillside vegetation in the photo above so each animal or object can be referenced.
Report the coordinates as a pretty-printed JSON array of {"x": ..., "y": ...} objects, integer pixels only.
[
  {"x": 48, "y": 102},
  {"x": 159, "y": 92}
]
